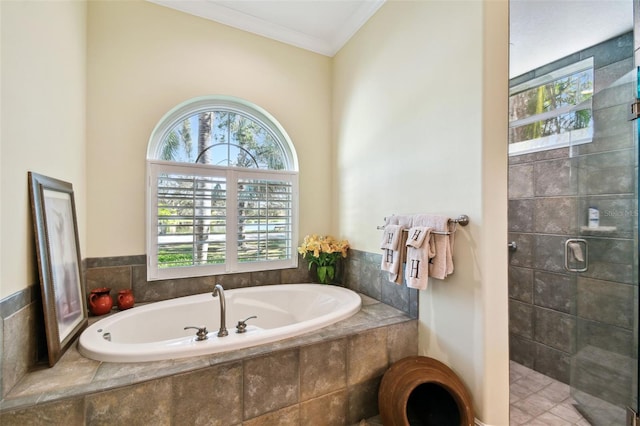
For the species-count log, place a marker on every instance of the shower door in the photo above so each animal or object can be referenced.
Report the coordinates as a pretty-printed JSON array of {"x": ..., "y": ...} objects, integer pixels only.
[{"x": 603, "y": 255}]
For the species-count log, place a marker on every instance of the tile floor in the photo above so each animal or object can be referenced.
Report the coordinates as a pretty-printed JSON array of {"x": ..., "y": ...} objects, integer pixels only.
[{"x": 536, "y": 399}]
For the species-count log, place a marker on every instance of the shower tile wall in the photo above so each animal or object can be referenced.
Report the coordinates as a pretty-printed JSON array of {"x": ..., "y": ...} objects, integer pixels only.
[{"x": 555, "y": 315}]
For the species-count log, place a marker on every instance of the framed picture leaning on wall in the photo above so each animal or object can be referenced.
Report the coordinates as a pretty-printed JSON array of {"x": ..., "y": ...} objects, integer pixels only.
[{"x": 56, "y": 234}]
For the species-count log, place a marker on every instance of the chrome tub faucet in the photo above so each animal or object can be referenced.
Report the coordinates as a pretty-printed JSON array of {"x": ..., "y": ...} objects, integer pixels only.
[{"x": 218, "y": 291}]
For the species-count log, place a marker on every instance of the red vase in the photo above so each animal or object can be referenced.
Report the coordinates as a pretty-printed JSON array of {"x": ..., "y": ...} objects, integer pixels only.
[
  {"x": 125, "y": 299},
  {"x": 100, "y": 301}
]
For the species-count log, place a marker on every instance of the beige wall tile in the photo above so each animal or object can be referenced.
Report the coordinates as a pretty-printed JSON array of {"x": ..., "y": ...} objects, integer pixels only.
[
  {"x": 367, "y": 356},
  {"x": 115, "y": 277},
  {"x": 327, "y": 410},
  {"x": 19, "y": 343},
  {"x": 68, "y": 412},
  {"x": 323, "y": 368},
  {"x": 363, "y": 400},
  {"x": 70, "y": 371},
  {"x": 289, "y": 416},
  {"x": 270, "y": 382},
  {"x": 208, "y": 397},
  {"x": 147, "y": 403},
  {"x": 402, "y": 341}
]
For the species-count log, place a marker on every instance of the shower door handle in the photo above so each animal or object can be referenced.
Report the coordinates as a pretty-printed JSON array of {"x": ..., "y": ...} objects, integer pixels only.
[{"x": 576, "y": 255}]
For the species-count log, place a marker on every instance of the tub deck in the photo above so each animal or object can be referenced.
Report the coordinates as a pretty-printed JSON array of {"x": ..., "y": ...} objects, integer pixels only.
[{"x": 75, "y": 376}]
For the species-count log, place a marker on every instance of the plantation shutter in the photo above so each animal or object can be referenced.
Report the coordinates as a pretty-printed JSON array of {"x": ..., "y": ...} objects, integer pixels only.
[
  {"x": 211, "y": 220},
  {"x": 264, "y": 220}
]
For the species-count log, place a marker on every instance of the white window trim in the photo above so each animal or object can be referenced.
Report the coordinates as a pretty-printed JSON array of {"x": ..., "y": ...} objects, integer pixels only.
[
  {"x": 225, "y": 103},
  {"x": 563, "y": 140},
  {"x": 232, "y": 174}
]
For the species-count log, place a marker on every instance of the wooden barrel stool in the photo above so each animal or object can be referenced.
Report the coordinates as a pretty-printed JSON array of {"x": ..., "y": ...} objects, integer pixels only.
[{"x": 423, "y": 391}]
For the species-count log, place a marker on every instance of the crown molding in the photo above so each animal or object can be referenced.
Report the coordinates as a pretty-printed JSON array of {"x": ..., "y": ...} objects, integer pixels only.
[{"x": 214, "y": 11}]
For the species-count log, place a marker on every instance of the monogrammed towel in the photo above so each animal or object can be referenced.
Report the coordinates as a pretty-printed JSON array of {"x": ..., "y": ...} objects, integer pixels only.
[
  {"x": 442, "y": 263},
  {"x": 392, "y": 260},
  {"x": 391, "y": 237},
  {"x": 420, "y": 250}
]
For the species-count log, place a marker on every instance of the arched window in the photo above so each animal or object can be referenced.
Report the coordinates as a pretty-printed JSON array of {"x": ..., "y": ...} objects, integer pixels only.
[{"x": 222, "y": 192}]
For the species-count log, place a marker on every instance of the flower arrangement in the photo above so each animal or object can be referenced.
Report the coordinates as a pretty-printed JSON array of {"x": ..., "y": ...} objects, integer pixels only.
[{"x": 323, "y": 252}]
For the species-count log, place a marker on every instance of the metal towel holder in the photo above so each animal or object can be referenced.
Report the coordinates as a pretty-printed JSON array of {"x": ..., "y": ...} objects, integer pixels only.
[{"x": 462, "y": 220}]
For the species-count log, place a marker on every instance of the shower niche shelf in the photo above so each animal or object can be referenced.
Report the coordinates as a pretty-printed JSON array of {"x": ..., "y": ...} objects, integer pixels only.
[{"x": 599, "y": 229}]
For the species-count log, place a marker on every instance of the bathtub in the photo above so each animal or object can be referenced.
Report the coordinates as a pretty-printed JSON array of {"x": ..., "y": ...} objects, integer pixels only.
[{"x": 156, "y": 332}]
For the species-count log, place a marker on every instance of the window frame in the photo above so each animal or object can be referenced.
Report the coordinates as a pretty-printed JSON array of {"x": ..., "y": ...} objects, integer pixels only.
[
  {"x": 232, "y": 175},
  {"x": 559, "y": 140}
]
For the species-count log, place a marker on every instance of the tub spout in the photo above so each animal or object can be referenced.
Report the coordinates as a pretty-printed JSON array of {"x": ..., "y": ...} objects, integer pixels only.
[{"x": 218, "y": 291}]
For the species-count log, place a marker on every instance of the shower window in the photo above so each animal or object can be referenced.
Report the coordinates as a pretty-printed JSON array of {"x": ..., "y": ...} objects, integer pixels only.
[
  {"x": 552, "y": 111},
  {"x": 222, "y": 191}
]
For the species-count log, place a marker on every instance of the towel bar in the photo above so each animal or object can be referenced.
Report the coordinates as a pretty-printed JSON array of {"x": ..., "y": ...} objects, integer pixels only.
[{"x": 462, "y": 220}]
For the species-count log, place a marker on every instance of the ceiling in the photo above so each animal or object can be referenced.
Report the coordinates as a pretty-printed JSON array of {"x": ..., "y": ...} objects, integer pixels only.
[
  {"x": 541, "y": 31},
  {"x": 321, "y": 26}
]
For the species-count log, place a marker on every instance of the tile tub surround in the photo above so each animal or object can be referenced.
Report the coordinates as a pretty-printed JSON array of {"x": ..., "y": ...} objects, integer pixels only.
[
  {"x": 130, "y": 272},
  {"x": 22, "y": 322},
  {"x": 23, "y": 336},
  {"x": 21, "y": 313},
  {"x": 333, "y": 373},
  {"x": 360, "y": 272},
  {"x": 558, "y": 320}
]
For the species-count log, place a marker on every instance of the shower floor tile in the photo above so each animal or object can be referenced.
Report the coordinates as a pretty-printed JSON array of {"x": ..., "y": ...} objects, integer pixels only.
[{"x": 536, "y": 399}]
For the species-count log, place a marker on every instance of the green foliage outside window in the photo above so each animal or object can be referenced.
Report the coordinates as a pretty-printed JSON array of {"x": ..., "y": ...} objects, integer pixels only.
[{"x": 553, "y": 108}]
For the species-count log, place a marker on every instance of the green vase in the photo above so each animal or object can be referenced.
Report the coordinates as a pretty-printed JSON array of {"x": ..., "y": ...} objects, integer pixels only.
[{"x": 325, "y": 273}]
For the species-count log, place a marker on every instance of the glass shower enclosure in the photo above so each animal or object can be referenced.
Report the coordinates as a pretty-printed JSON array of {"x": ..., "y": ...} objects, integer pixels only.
[
  {"x": 602, "y": 256},
  {"x": 573, "y": 217}
]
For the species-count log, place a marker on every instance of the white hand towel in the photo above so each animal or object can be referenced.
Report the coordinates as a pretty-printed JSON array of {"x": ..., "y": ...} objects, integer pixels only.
[
  {"x": 391, "y": 237},
  {"x": 442, "y": 263},
  {"x": 387, "y": 252},
  {"x": 420, "y": 250},
  {"x": 392, "y": 260}
]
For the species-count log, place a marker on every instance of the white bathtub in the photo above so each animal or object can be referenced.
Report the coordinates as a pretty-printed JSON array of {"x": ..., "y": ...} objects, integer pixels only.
[{"x": 155, "y": 331}]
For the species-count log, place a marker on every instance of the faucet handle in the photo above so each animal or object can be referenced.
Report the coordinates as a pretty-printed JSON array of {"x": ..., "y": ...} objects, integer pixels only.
[
  {"x": 242, "y": 325},
  {"x": 201, "y": 334}
]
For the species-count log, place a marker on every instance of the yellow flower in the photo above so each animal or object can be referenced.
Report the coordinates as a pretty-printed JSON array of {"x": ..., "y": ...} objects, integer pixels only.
[{"x": 323, "y": 250}]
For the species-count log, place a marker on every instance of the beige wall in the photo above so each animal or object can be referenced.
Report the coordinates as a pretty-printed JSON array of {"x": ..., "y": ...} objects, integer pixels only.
[
  {"x": 418, "y": 118},
  {"x": 143, "y": 60},
  {"x": 419, "y": 111},
  {"x": 42, "y": 121}
]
